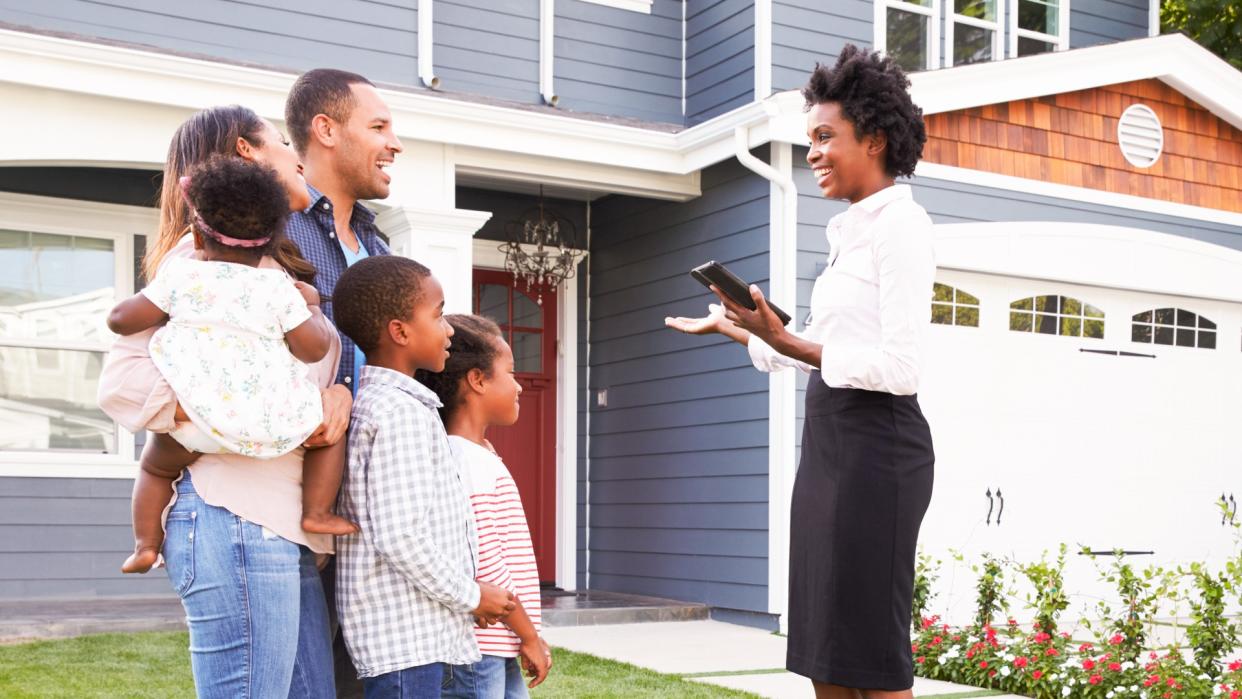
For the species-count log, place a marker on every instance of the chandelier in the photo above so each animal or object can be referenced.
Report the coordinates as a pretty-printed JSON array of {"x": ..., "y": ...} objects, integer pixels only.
[{"x": 540, "y": 251}]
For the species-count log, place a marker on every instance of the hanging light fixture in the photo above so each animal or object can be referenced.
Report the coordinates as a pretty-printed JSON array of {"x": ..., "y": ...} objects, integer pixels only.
[{"x": 540, "y": 251}]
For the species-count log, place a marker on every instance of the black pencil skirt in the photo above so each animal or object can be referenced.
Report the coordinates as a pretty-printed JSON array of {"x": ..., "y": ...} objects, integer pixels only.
[{"x": 863, "y": 485}]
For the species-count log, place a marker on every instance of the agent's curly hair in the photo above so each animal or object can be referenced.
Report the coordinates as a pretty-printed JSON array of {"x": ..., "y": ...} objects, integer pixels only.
[
  {"x": 240, "y": 199},
  {"x": 475, "y": 345},
  {"x": 374, "y": 291},
  {"x": 871, "y": 90}
]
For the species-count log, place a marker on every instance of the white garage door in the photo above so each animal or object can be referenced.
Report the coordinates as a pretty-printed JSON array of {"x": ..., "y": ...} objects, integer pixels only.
[{"x": 1093, "y": 377}]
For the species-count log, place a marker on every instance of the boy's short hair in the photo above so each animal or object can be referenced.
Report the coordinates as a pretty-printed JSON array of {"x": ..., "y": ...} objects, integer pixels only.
[
  {"x": 319, "y": 91},
  {"x": 374, "y": 291}
]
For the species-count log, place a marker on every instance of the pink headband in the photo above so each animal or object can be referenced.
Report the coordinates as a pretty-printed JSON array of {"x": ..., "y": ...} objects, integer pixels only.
[{"x": 213, "y": 233}]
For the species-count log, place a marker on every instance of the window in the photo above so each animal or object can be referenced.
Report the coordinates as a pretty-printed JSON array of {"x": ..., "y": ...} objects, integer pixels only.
[
  {"x": 53, "y": 301},
  {"x": 1039, "y": 26},
  {"x": 1173, "y": 326},
  {"x": 908, "y": 31},
  {"x": 973, "y": 31},
  {"x": 1056, "y": 315},
  {"x": 521, "y": 319},
  {"x": 954, "y": 307}
]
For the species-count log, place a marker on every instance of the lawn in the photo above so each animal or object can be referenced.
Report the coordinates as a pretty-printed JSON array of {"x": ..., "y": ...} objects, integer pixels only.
[{"x": 158, "y": 665}]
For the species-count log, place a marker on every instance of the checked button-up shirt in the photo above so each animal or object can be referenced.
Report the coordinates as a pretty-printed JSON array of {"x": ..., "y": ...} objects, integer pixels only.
[
  {"x": 405, "y": 583},
  {"x": 314, "y": 231}
]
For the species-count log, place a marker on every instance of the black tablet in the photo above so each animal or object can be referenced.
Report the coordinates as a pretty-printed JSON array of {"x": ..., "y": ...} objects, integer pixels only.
[{"x": 714, "y": 273}]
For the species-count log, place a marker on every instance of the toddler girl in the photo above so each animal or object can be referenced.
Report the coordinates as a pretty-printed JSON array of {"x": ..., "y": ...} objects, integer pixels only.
[{"x": 234, "y": 350}]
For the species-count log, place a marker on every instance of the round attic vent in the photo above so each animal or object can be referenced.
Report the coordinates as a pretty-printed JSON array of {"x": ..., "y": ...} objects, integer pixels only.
[{"x": 1140, "y": 135}]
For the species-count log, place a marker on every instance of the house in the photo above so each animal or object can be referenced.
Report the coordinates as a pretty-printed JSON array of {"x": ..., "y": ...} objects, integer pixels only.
[{"x": 1085, "y": 176}]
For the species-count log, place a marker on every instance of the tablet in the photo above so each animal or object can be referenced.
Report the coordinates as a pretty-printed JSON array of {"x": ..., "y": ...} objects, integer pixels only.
[{"x": 714, "y": 273}]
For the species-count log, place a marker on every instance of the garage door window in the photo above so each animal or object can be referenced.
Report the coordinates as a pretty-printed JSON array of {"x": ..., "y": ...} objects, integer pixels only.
[
  {"x": 952, "y": 306},
  {"x": 1056, "y": 315},
  {"x": 1173, "y": 326}
]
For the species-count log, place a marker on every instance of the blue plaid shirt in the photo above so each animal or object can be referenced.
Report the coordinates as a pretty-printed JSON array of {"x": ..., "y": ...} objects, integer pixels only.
[{"x": 314, "y": 231}]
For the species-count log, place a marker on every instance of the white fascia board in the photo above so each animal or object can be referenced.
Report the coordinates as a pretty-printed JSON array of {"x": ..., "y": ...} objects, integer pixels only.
[
  {"x": 1172, "y": 58},
  {"x": 123, "y": 73},
  {"x": 1114, "y": 257}
]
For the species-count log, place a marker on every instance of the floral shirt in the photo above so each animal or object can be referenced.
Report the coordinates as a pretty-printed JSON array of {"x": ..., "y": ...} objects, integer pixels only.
[{"x": 223, "y": 352}]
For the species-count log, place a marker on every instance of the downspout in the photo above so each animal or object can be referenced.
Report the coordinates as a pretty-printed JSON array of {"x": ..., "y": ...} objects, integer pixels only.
[
  {"x": 426, "y": 66},
  {"x": 547, "y": 51},
  {"x": 782, "y": 385}
]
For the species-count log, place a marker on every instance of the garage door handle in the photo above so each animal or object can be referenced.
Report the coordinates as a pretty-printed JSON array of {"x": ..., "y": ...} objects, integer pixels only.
[
  {"x": 991, "y": 504},
  {"x": 1002, "y": 506}
]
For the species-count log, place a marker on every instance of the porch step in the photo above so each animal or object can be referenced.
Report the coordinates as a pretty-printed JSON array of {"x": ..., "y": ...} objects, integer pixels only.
[{"x": 594, "y": 607}]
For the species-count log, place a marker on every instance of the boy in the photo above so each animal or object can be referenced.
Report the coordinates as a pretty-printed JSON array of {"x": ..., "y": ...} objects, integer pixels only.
[{"x": 406, "y": 590}]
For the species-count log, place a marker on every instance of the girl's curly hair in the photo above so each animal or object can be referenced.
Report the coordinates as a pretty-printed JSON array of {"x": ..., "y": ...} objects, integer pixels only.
[
  {"x": 241, "y": 199},
  {"x": 871, "y": 90},
  {"x": 474, "y": 345}
]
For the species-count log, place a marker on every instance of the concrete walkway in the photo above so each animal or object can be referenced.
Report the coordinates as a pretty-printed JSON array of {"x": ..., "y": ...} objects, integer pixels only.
[{"x": 716, "y": 653}]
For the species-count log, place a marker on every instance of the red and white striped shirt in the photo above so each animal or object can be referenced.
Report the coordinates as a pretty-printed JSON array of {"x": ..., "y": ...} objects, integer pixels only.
[{"x": 506, "y": 555}]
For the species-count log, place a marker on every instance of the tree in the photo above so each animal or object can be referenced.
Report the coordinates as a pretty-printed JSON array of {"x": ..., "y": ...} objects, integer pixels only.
[{"x": 1215, "y": 24}]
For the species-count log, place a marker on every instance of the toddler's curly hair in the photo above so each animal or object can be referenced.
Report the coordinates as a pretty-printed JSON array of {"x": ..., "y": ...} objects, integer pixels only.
[{"x": 241, "y": 199}]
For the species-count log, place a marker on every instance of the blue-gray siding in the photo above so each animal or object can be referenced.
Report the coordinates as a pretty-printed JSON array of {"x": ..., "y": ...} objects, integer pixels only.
[
  {"x": 805, "y": 32},
  {"x": 1106, "y": 21},
  {"x": 377, "y": 39},
  {"x": 66, "y": 537},
  {"x": 678, "y": 459},
  {"x": 488, "y": 48},
  {"x": 615, "y": 61},
  {"x": 720, "y": 57}
]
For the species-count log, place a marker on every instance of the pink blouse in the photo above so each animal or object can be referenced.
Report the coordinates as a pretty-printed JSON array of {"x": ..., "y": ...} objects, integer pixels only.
[{"x": 267, "y": 492}]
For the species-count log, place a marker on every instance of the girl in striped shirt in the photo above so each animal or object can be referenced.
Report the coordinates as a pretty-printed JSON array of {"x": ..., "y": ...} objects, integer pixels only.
[{"x": 478, "y": 390}]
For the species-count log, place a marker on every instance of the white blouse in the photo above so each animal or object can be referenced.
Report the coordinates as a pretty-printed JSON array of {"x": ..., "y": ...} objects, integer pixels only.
[{"x": 870, "y": 308}]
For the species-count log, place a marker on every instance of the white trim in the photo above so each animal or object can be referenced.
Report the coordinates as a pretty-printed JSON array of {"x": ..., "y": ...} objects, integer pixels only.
[
  {"x": 1093, "y": 255},
  {"x": 952, "y": 19},
  {"x": 1171, "y": 58},
  {"x": 1153, "y": 17},
  {"x": 1060, "y": 40},
  {"x": 547, "y": 51},
  {"x": 763, "y": 49},
  {"x": 643, "y": 6},
  {"x": 426, "y": 62},
  {"x": 1062, "y": 191},
  {"x": 782, "y": 385},
  {"x": 932, "y": 12},
  {"x": 114, "y": 222},
  {"x": 487, "y": 255}
]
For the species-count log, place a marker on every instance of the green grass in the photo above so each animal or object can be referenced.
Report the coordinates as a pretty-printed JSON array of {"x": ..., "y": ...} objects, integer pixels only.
[{"x": 158, "y": 665}]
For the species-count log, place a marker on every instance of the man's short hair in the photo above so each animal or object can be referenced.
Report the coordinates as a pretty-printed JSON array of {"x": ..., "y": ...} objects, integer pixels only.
[
  {"x": 374, "y": 291},
  {"x": 319, "y": 91}
]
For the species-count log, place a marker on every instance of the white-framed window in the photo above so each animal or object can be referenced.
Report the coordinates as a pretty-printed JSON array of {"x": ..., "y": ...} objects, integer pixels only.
[
  {"x": 909, "y": 31},
  {"x": 1174, "y": 327},
  {"x": 643, "y": 6},
  {"x": 1056, "y": 315},
  {"x": 973, "y": 31},
  {"x": 66, "y": 263},
  {"x": 951, "y": 306},
  {"x": 1038, "y": 26}
]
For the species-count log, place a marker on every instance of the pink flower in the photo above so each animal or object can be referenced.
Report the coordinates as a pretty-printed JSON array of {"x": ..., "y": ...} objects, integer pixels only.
[
  {"x": 1115, "y": 667},
  {"x": 1235, "y": 666},
  {"x": 1096, "y": 679},
  {"x": 1117, "y": 639},
  {"x": 1037, "y": 674},
  {"x": 983, "y": 664},
  {"x": 1088, "y": 664}
]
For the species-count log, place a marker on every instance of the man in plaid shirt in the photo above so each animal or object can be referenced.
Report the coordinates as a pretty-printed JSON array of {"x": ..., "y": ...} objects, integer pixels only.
[{"x": 406, "y": 591}]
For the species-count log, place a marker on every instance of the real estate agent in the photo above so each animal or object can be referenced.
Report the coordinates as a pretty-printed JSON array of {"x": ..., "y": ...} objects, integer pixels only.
[{"x": 865, "y": 477}]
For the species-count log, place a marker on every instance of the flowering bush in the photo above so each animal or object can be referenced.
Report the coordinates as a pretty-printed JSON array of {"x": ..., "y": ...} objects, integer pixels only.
[{"x": 1048, "y": 665}]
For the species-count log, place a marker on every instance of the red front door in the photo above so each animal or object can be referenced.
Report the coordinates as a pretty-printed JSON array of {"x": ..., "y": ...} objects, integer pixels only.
[{"x": 528, "y": 447}]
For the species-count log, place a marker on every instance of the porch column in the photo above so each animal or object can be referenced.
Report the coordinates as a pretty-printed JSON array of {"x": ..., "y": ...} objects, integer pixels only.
[
  {"x": 442, "y": 239},
  {"x": 422, "y": 221}
]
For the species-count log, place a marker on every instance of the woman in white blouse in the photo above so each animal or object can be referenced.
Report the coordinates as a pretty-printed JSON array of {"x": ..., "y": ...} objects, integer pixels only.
[{"x": 865, "y": 477}]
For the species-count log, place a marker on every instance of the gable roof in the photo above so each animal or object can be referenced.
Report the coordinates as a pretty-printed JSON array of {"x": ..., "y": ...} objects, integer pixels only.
[{"x": 1172, "y": 58}]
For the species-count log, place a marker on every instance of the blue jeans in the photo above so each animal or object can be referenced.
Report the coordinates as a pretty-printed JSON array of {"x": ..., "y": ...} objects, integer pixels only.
[
  {"x": 492, "y": 677},
  {"x": 255, "y": 607},
  {"x": 418, "y": 682}
]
